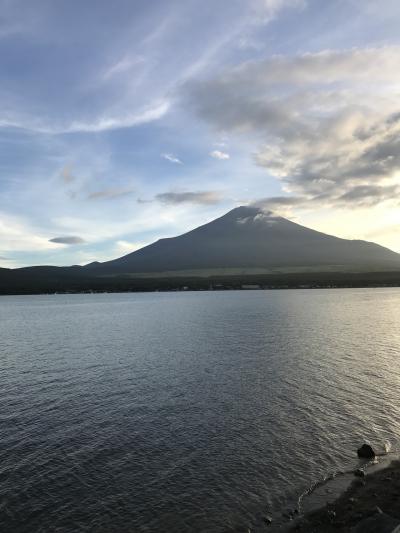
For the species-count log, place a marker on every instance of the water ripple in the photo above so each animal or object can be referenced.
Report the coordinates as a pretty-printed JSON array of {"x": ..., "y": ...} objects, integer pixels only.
[{"x": 189, "y": 412}]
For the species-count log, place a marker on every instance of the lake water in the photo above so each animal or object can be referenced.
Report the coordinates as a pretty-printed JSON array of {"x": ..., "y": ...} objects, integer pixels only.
[{"x": 188, "y": 412}]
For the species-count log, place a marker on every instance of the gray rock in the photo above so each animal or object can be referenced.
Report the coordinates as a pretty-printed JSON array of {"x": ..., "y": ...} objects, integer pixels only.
[{"x": 366, "y": 452}]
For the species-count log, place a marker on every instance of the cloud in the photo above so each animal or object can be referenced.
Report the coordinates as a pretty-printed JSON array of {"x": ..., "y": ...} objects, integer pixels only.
[
  {"x": 326, "y": 124},
  {"x": 2, "y": 258},
  {"x": 107, "y": 194},
  {"x": 120, "y": 82},
  {"x": 105, "y": 122},
  {"x": 191, "y": 197},
  {"x": 279, "y": 201},
  {"x": 281, "y": 205},
  {"x": 149, "y": 114},
  {"x": 369, "y": 195},
  {"x": 217, "y": 154},
  {"x": 355, "y": 196},
  {"x": 172, "y": 158},
  {"x": 68, "y": 240},
  {"x": 143, "y": 201}
]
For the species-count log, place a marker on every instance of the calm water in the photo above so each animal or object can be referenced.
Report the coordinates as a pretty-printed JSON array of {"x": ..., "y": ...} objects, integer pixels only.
[{"x": 187, "y": 412}]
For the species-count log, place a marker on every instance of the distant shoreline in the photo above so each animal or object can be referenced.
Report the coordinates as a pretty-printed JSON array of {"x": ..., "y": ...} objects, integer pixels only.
[
  {"x": 144, "y": 291},
  {"x": 263, "y": 289},
  {"x": 50, "y": 281}
]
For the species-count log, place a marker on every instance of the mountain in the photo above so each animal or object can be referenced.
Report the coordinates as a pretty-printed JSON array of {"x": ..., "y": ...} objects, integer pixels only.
[
  {"x": 245, "y": 245},
  {"x": 248, "y": 239}
]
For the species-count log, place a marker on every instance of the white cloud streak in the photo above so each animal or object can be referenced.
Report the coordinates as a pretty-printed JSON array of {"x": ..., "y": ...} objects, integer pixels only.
[
  {"x": 107, "y": 122},
  {"x": 172, "y": 158}
]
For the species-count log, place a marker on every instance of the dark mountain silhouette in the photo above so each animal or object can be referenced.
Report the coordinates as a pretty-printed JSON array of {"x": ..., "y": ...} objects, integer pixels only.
[
  {"x": 248, "y": 238},
  {"x": 244, "y": 243}
]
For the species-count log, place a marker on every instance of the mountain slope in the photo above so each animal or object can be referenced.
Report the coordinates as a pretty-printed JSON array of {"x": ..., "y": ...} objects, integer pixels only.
[{"x": 248, "y": 238}]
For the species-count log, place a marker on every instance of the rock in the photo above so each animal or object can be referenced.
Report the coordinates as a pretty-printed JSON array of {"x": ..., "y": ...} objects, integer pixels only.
[
  {"x": 359, "y": 472},
  {"x": 268, "y": 520},
  {"x": 366, "y": 452},
  {"x": 331, "y": 515}
]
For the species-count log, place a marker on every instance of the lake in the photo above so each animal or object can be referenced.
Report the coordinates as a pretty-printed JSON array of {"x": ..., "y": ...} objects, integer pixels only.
[{"x": 190, "y": 411}]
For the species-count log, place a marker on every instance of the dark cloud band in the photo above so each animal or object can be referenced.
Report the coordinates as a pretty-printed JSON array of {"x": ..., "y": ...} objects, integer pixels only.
[
  {"x": 67, "y": 240},
  {"x": 191, "y": 197}
]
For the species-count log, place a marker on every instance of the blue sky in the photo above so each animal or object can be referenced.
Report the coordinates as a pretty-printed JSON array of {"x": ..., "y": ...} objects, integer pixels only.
[{"x": 124, "y": 122}]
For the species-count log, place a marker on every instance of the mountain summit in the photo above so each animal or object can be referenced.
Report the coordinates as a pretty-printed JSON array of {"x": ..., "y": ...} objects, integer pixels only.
[{"x": 250, "y": 239}]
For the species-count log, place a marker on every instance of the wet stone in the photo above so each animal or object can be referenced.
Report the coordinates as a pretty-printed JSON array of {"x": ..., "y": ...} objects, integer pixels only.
[{"x": 366, "y": 452}]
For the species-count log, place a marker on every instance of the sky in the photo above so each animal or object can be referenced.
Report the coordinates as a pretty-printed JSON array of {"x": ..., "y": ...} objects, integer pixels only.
[{"x": 128, "y": 121}]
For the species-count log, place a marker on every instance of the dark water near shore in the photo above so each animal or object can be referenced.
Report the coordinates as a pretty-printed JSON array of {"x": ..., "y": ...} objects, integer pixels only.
[{"x": 187, "y": 412}]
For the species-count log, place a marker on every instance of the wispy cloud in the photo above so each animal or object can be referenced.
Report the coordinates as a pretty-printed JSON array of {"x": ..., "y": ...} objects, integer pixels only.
[
  {"x": 217, "y": 154},
  {"x": 149, "y": 114},
  {"x": 108, "y": 194},
  {"x": 172, "y": 158},
  {"x": 107, "y": 122},
  {"x": 191, "y": 197}
]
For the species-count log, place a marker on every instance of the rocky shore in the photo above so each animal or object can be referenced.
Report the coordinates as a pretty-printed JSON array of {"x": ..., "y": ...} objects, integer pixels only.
[{"x": 370, "y": 505}]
